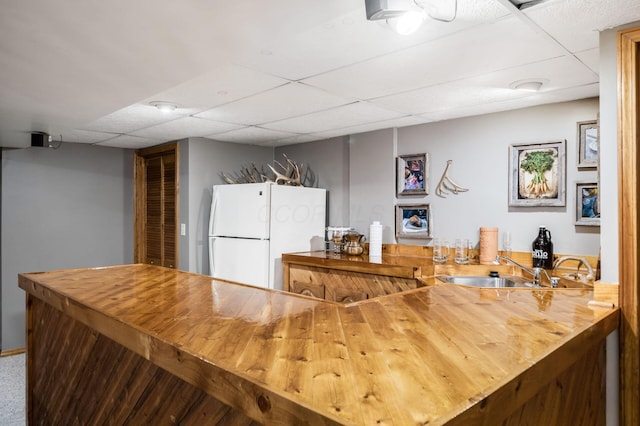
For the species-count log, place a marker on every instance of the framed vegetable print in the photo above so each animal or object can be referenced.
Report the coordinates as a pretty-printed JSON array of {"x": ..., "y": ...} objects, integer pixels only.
[
  {"x": 412, "y": 172},
  {"x": 537, "y": 174}
]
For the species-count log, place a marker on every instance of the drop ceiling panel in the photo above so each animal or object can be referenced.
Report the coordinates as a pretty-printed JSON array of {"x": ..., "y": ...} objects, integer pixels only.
[
  {"x": 81, "y": 136},
  {"x": 293, "y": 140},
  {"x": 131, "y": 118},
  {"x": 185, "y": 127},
  {"x": 344, "y": 116},
  {"x": 581, "y": 92},
  {"x": 590, "y": 58},
  {"x": 558, "y": 73},
  {"x": 132, "y": 142},
  {"x": 505, "y": 44},
  {"x": 575, "y": 23},
  {"x": 283, "y": 102},
  {"x": 350, "y": 38},
  {"x": 252, "y": 134},
  {"x": 386, "y": 124},
  {"x": 226, "y": 83}
]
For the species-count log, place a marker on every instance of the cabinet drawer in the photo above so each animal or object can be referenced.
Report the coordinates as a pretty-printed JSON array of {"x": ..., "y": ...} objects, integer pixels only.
[
  {"x": 345, "y": 295},
  {"x": 307, "y": 289}
]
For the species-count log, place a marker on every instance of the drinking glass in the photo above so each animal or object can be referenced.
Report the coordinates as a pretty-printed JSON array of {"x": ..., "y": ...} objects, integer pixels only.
[
  {"x": 506, "y": 244},
  {"x": 440, "y": 250},
  {"x": 461, "y": 254}
]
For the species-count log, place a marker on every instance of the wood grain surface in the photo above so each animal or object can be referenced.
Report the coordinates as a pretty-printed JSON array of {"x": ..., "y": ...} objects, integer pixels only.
[
  {"x": 629, "y": 222},
  {"x": 435, "y": 355}
]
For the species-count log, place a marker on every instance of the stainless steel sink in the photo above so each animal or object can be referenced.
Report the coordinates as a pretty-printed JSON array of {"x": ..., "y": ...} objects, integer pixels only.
[{"x": 484, "y": 281}]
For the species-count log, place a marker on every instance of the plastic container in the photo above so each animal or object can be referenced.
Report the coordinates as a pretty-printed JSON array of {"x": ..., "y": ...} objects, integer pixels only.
[{"x": 375, "y": 239}]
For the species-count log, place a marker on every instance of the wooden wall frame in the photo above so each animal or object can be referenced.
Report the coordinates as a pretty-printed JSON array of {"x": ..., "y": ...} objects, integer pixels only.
[{"x": 628, "y": 204}]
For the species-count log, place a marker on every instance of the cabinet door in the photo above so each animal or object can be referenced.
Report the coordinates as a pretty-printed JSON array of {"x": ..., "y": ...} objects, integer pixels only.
[{"x": 308, "y": 289}]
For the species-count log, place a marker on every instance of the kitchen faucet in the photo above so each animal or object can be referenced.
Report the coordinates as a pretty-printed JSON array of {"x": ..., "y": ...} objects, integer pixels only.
[
  {"x": 581, "y": 260},
  {"x": 534, "y": 272}
]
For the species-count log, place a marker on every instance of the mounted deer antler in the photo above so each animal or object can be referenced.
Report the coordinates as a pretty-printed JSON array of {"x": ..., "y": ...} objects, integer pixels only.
[{"x": 446, "y": 184}]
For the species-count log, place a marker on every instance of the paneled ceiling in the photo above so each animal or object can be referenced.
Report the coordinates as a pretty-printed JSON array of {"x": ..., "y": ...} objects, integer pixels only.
[{"x": 283, "y": 71}]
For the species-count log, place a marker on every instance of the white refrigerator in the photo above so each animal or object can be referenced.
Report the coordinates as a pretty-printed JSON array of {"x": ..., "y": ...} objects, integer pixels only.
[{"x": 252, "y": 224}]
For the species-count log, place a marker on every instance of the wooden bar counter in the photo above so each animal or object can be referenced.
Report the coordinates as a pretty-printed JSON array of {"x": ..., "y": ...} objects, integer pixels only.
[{"x": 141, "y": 344}]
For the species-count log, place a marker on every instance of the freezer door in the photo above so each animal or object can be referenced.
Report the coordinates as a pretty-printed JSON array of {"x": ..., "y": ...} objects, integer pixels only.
[
  {"x": 240, "y": 211},
  {"x": 239, "y": 260}
]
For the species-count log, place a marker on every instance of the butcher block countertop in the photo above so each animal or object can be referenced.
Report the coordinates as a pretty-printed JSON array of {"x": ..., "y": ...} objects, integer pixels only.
[{"x": 434, "y": 355}]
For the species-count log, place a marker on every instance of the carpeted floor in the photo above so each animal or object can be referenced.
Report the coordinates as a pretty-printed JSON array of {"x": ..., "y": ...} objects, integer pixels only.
[{"x": 12, "y": 390}]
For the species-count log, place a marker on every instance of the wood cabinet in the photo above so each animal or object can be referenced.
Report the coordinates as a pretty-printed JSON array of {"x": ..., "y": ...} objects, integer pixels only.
[{"x": 340, "y": 285}]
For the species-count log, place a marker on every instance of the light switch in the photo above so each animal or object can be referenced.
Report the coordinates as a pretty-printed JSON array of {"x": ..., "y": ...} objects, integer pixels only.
[{"x": 183, "y": 229}]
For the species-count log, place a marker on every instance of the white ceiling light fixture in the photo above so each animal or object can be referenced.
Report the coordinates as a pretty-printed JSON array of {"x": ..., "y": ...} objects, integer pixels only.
[
  {"x": 407, "y": 23},
  {"x": 404, "y": 16},
  {"x": 163, "y": 106},
  {"x": 529, "y": 85}
]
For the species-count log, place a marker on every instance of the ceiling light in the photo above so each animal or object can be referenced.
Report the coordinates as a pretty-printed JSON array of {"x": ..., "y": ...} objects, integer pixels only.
[
  {"x": 385, "y": 9},
  {"x": 164, "y": 106},
  {"x": 530, "y": 85},
  {"x": 406, "y": 16},
  {"x": 407, "y": 23}
]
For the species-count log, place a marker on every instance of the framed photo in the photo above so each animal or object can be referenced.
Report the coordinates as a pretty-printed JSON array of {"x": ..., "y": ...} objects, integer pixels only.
[
  {"x": 587, "y": 204},
  {"x": 412, "y": 173},
  {"x": 588, "y": 144},
  {"x": 413, "y": 221},
  {"x": 537, "y": 174}
]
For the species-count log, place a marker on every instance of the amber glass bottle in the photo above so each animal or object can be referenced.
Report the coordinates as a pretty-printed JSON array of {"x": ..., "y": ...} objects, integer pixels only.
[{"x": 542, "y": 249}]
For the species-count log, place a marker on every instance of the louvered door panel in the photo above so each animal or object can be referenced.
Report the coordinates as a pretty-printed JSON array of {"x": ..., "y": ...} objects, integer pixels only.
[
  {"x": 156, "y": 206},
  {"x": 154, "y": 214},
  {"x": 169, "y": 210}
]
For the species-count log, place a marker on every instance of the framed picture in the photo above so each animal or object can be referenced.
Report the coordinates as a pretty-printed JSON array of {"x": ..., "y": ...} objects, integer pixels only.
[
  {"x": 412, "y": 173},
  {"x": 537, "y": 174},
  {"x": 587, "y": 204},
  {"x": 588, "y": 144},
  {"x": 413, "y": 221}
]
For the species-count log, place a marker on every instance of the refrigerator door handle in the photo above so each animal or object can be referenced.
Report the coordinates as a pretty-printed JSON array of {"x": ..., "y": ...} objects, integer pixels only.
[
  {"x": 214, "y": 207},
  {"x": 211, "y": 255}
]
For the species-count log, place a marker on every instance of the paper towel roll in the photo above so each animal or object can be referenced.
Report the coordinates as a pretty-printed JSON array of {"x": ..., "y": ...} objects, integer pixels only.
[{"x": 375, "y": 239}]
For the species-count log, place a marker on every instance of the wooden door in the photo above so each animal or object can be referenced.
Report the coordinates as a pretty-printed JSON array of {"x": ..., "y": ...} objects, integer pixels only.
[{"x": 156, "y": 215}]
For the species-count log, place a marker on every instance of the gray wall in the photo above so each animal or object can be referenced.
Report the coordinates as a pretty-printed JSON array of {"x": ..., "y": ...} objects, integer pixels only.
[
  {"x": 65, "y": 208},
  {"x": 328, "y": 162},
  {"x": 372, "y": 177},
  {"x": 479, "y": 148},
  {"x": 206, "y": 160}
]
